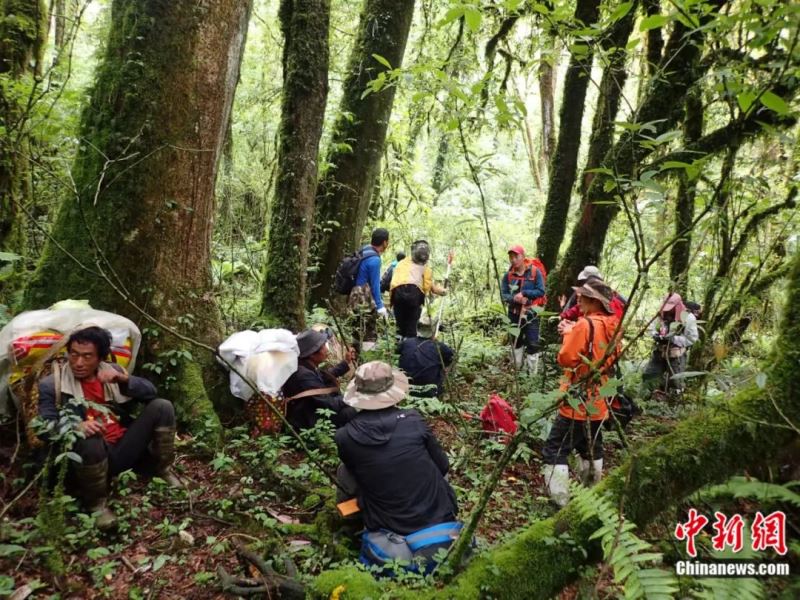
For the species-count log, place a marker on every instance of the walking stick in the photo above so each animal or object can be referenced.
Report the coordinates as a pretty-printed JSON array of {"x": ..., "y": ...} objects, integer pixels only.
[{"x": 450, "y": 256}]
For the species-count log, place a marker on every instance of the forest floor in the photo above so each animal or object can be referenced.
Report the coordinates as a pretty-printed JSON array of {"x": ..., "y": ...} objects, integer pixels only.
[{"x": 261, "y": 493}]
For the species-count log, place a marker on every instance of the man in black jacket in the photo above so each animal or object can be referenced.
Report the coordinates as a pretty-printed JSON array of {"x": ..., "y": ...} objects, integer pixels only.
[
  {"x": 311, "y": 388},
  {"x": 110, "y": 440},
  {"x": 392, "y": 457},
  {"x": 425, "y": 359}
]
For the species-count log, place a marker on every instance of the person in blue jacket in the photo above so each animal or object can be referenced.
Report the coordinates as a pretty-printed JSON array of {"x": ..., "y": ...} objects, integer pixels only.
[
  {"x": 520, "y": 288},
  {"x": 365, "y": 298}
]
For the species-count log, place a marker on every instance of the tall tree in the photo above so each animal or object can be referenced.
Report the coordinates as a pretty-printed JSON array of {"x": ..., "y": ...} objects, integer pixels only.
[
  {"x": 23, "y": 32},
  {"x": 564, "y": 162},
  {"x": 684, "y": 205},
  {"x": 139, "y": 220},
  {"x": 305, "y": 90},
  {"x": 354, "y": 156},
  {"x": 661, "y": 108}
]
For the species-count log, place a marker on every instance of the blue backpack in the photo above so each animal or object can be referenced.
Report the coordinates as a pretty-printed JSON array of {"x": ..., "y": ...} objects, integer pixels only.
[{"x": 418, "y": 549}]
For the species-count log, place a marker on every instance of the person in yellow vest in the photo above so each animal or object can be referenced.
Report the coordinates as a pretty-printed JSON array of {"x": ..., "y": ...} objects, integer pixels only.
[{"x": 412, "y": 281}]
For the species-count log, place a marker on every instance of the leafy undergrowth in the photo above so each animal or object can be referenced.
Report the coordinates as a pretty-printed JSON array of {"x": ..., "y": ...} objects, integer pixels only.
[{"x": 260, "y": 492}]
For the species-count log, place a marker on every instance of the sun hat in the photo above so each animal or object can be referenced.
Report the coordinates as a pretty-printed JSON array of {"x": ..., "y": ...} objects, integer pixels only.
[
  {"x": 376, "y": 386},
  {"x": 598, "y": 291},
  {"x": 311, "y": 340},
  {"x": 589, "y": 271}
]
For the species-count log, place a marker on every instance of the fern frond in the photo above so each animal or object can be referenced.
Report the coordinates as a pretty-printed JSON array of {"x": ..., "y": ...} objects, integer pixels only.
[{"x": 627, "y": 554}]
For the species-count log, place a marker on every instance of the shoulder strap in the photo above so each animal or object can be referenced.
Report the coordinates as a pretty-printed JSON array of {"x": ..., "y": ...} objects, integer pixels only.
[
  {"x": 590, "y": 347},
  {"x": 314, "y": 392}
]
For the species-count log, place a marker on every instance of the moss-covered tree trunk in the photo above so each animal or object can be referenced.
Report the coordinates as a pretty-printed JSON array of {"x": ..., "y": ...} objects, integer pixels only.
[
  {"x": 305, "y": 90},
  {"x": 23, "y": 33},
  {"x": 662, "y": 108},
  {"x": 354, "y": 155},
  {"x": 144, "y": 202},
  {"x": 708, "y": 448},
  {"x": 564, "y": 164},
  {"x": 684, "y": 205}
]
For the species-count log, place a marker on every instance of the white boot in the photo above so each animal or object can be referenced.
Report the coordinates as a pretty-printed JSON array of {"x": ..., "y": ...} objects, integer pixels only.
[
  {"x": 556, "y": 477},
  {"x": 532, "y": 363},
  {"x": 590, "y": 472},
  {"x": 519, "y": 357}
]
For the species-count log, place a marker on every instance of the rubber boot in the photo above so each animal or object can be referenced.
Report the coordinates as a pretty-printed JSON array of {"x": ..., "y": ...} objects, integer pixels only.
[
  {"x": 519, "y": 357},
  {"x": 532, "y": 363},
  {"x": 556, "y": 477},
  {"x": 162, "y": 447},
  {"x": 590, "y": 472},
  {"x": 92, "y": 484}
]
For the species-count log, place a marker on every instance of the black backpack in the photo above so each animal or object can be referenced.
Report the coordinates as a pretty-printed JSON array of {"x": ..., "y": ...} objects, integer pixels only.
[{"x": 345, "y": 279}]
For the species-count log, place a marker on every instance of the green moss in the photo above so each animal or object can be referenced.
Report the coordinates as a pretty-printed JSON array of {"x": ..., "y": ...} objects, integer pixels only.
[
  {"x": 352, "y": 583},
  {"x": 192, "y": 404}
]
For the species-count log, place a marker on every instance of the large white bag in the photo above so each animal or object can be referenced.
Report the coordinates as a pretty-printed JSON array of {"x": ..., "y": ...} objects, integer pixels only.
[{"x": 267, "y": 358}]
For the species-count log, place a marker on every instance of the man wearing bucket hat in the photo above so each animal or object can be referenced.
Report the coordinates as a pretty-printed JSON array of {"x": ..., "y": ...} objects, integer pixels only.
[
  {"x": 571, "y": 312},
  {"x": 396, "y": 464},
  {"x": 674, "y": 330},
  {"x": 522, "y": 287},
  {"x": 425, "y": 359},
  {"x": 580, "y": 428},
  {"x": 310, "y": 388}
]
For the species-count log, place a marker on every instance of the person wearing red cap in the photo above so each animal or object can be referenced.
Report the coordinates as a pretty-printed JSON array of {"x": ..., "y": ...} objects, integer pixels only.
[
  {"x": 522, "y": 287},
  {"x": 674, "y": 331}
]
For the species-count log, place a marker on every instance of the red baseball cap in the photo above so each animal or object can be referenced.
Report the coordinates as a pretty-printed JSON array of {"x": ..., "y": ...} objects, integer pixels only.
[{"x": 517, "y": 249}]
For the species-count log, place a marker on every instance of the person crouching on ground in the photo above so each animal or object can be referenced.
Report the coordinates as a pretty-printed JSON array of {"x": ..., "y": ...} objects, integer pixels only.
[
  {"x": 394, "y": 465},
  {"x": 580, "y": 428},
  {"x": 311, "y": 388},
  {"x": 424, "y": 359},
  {"x": 112, "y": 442}
]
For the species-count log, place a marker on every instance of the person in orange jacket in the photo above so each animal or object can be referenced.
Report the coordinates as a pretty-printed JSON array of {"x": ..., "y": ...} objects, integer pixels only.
[{"x": 578, "y": 424}]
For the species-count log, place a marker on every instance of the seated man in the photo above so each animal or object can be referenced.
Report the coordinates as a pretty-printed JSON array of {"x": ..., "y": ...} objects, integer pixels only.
[
  {"x": 424, "y": 359},
  {"x": 394, "y": 465},
  {"x": 310, "y": 388},
  {"x": 112, "y": 441}
]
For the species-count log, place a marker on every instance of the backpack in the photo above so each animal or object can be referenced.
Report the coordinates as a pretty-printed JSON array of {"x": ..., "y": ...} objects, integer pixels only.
[
  {"x": 345, "y": 279},
  {"x": 534, "y": 264},
  {"x": 498, "y": 416},
  {"x": 386, "y": 279}
]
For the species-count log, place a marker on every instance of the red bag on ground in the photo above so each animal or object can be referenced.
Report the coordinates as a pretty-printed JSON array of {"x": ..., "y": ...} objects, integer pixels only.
[{"x": 498, "y": 415}]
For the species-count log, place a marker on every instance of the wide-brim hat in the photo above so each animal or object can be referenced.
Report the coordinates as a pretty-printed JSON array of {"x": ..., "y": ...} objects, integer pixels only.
[
  {"x": 376, "y": 385},
  {"x": 310, "y": 340},
  {"x": 593, "y": 290}
]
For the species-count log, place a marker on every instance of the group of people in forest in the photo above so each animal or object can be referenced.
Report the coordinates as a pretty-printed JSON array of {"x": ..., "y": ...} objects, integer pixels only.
[{"x": 391, "y": 461}]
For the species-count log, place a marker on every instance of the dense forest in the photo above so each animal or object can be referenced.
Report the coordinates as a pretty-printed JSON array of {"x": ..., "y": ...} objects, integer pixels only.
[{"x": 203, "y": 168}]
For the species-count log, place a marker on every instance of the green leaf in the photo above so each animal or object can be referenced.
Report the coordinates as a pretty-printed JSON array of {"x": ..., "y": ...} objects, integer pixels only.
[
  {"x": 473, "y": 18},
  {"x": 9, "y": 256},
  {"x": 382, "y": 60},
  {"x": 774, "y": 102},
  {"x": 675, "y": 164},
  {"x": 745, "y": 100},
  {"x": 10, "y": 549},
  {"x": 159, "y": 562},
  {"x": 653, "y": 22},
  {"x": 622, "y": 10}
]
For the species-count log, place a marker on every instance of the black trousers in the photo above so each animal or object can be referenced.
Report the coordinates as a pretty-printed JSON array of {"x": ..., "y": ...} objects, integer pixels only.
[
  {"x": 131, "y": 448},
  {"x": 407, "y": 302},
  {"x": 567, "y": 435}
]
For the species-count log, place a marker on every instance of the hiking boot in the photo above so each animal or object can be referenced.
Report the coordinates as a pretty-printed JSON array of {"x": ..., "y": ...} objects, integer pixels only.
[
  {"x": 519, "y": 357},
  {"x": 162, "y": 447},
  {"x": 92, "y": 484},
  {"x": 556, "y": 477},
  {"x": 532, "y": 363},
  {"x": 590, "y": 472}
]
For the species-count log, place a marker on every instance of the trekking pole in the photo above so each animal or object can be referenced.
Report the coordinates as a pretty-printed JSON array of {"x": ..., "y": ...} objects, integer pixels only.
[{"x": 450, "y": 256}]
